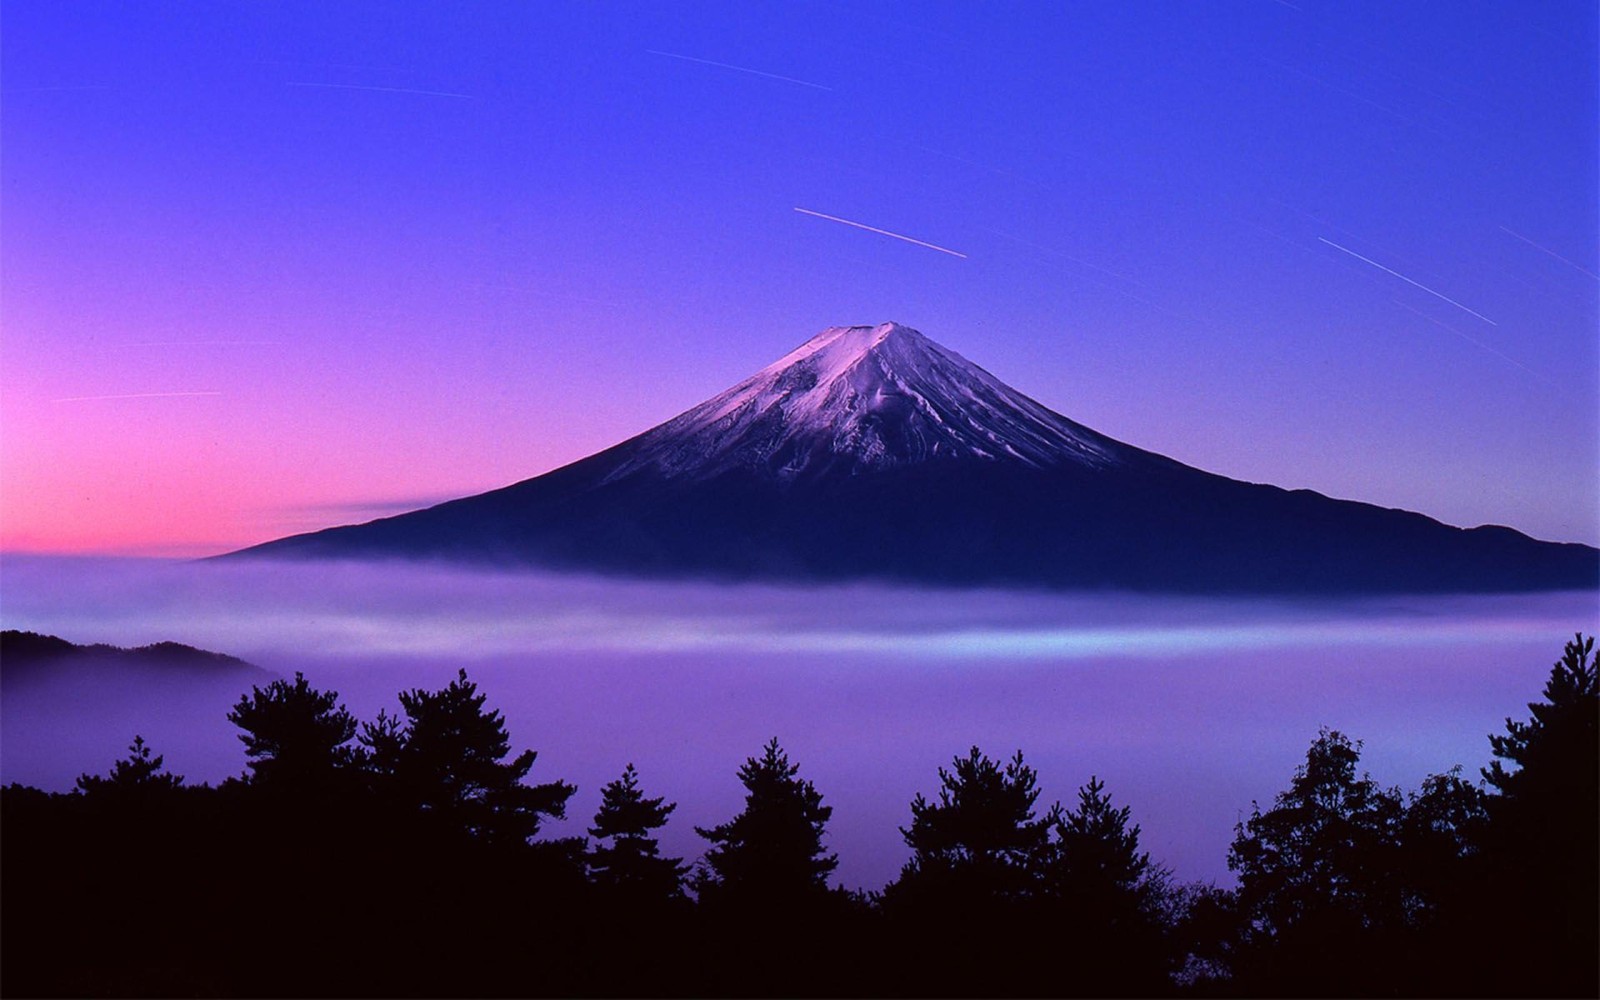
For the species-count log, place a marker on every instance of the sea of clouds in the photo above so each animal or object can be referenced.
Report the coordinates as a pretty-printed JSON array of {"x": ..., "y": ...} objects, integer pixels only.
[{"x": 1188, "y": 708}]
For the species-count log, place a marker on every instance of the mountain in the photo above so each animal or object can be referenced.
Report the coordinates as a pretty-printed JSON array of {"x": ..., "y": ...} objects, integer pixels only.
[
  {"x": 858, "y": 400},
  {"x": 23, "y": 652},
  {"x": 875, "y": 453}
]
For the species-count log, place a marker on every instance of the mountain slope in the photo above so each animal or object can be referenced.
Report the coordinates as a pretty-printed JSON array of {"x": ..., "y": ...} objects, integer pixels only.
[
  {"x": 861, "y": 399},
  {"x": 874, "y": 453}
]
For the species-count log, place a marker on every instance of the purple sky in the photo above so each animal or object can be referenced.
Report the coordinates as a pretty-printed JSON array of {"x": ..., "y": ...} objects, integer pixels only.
[{"x": 265, "y": 268}]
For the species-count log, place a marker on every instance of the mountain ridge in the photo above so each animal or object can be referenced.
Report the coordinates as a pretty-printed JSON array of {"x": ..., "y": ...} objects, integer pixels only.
[
  {"x": 21, "y": 649},
  {"x": 871, "y": 452}
]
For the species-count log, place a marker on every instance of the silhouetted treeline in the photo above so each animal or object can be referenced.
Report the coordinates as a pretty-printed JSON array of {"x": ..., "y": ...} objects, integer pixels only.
[{"x": 403, "y": 857}]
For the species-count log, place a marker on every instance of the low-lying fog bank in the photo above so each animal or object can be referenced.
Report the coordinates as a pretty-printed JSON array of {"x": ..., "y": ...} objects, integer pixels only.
[{"x": 1187, "y": 708}]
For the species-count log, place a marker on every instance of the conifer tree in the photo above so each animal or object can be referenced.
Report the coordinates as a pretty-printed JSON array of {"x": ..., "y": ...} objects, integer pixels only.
[
  {"x": 771, "y": 854},
  {"x": 296, "y": 736},
  {"x": 137, "y": 774},
  {"x": 981, "y": 840},
  {"x": 1543, "y": 837},
  {"x": 1115, "y": 908},
  {"x": 381, "y": 742},
  {"x": 626, "y": 859},
  {"x": 1553, "y": 757},
  {"x": 448, "y": 760},
  {"x": 1096, "y": 858}
]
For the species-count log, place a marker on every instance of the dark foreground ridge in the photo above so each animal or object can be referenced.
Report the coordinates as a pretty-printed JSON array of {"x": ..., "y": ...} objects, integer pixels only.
[
  {"x": 874, "y": 453},
  {"x": 403, "y": 857}
]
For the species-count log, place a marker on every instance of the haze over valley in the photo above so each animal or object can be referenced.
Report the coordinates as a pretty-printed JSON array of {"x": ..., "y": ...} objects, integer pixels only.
[{"x": 1188, "y": 708}]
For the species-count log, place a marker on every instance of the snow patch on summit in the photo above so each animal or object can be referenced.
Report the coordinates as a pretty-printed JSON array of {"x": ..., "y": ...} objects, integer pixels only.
[{"x": 859, "y": 398}]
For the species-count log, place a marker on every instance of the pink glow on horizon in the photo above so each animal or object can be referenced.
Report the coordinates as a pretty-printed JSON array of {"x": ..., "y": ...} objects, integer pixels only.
[
  {"x": 101, "y": 459},
  {"x": 399, "y": 294}
]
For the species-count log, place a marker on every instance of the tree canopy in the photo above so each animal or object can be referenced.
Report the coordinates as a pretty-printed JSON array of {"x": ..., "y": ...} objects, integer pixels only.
[
  {"x": 980, "y": 843},
  {"x": 138, "y": 774},
  {"x": 448, "y": 759},
  {"x": 420, "y": 841},
  {"x": 1096, "y": 855},
  {"x": 772, "y": 850},
  {"x": 295, "y": 736},
  {"x": 626, "y": 858},
  {"x": 1544, "y": 811},
  {"x": 1317, "y": 854}
]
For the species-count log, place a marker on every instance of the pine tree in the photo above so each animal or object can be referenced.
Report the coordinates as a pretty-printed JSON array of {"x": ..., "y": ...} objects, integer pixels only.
[
  {"x": 1096, "y": 856},
  {"x": 296, "y": 736},
  {"x": 1114, "y": 907},
  {"x": 381, "y": 742},
  {"x": 1543, "y": 838},
  {"x": 448, "y": 760},
  {"x": 1552, "y": 753},
  {"x": 771, "y": 854},
  {"x": 137, "y": 775},
  {"x": 631, "y": 865},
  {"x": 980, "y": 842}
]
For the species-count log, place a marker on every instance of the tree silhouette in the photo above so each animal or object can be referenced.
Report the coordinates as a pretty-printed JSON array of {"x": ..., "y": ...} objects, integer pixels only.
[
  {"x": 771, "y": 854},
  {"x": 631, "y": 866},
  {"x": 1551, "y": 752},
  {"x": 1446, "y": 816},
  {"x": 1317, "y": 871},
  {"x": 1096, "y": 854},
  {"x": 640, "y": 894},
  {"x": 978, "y": 854},
  {"x": 137, "y": 775},
  {"x": 380, "y": 744},
  {"x": 296, "y": 736},
  {"x": 1108, "y": 898},
  {"x": 763, "y": 887},
  {"x": 1344, "y": 887},
  {"x": 1205, "y": 925},
  {"x": 1544, "y": 833},
  {"x": 980, "y": 842},
  {"x": 1442, "y": 829},
  {"x": 448, "y": 760}
]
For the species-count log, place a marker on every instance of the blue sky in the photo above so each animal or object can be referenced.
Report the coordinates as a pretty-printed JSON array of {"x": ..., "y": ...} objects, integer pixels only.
[{"x": 395, "y": 252}]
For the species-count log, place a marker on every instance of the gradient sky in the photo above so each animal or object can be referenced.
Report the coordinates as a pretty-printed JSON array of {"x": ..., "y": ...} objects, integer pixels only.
[{"x": 269, "y": 267}]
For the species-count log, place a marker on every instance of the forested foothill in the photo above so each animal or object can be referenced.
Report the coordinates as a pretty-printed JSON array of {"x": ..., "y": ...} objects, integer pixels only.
[{"x": 404, "y": 856}]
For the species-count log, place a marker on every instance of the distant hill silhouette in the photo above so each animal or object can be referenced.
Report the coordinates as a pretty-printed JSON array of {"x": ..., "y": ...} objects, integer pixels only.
[
  {"x": 31, "y": 651},
  {"x": 874, "y": 453}
]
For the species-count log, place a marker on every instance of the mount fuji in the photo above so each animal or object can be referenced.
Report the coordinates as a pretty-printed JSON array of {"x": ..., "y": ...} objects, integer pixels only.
[{"x": 871, "y": 452}]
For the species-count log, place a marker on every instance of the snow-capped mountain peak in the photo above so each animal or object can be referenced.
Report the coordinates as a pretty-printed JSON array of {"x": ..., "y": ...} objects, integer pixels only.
[
  {"x": 870, "y": 452},
  {"x": 858, "y": 398}
]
